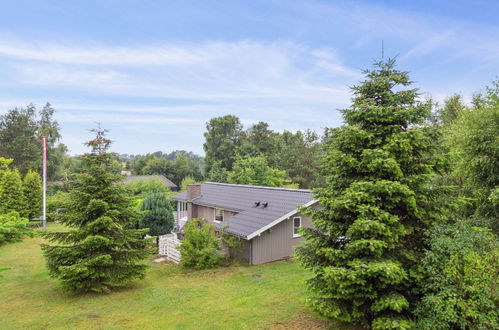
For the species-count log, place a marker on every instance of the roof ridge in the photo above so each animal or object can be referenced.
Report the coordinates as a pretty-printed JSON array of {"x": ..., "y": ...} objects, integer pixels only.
[{"x": 260, "y": 187}]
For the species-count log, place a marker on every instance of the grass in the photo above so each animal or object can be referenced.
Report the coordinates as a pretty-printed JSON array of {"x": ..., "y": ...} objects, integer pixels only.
[{"x": 169, "y": 297}]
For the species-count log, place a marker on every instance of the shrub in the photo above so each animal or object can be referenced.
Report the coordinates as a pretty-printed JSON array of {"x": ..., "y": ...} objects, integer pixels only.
[
  {"x": 461, "y": 268},
  {"x": 12, "y": 195},
  {"x": 159, "y": 216},
  {"x": 13, "y": 228},
  {"x": 60, "y": 200},
  {"x": 199, "y": 248},
  {"x": 33, "y": 193}
]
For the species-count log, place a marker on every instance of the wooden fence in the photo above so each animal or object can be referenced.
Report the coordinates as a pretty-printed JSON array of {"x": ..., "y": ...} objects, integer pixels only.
[{"x": 169, "y": 247}]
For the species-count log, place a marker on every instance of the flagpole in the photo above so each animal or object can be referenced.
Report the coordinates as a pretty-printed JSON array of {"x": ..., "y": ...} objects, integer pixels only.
[{"x": 44, "y": 217}]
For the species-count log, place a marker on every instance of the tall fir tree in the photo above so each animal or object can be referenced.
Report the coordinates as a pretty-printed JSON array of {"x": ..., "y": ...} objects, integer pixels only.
[
  {"x": 33, "y": 193},
  {"x": 100, "y": 251},
  {"x": 159, "y": 214},
  {"x": 376, "y": 204},
  {"x": 12, "y": 194}
]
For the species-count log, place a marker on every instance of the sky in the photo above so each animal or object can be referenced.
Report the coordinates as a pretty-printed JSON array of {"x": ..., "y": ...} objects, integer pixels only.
[{"x": 154, "y": 72}]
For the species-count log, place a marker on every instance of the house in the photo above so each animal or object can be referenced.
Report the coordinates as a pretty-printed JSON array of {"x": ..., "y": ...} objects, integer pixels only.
[
  {"x": 266, "y": 219},
  {"x": 165, "y": 180}
]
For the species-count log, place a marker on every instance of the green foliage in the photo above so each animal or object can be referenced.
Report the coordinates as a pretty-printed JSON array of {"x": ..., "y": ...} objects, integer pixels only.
[
  {"x": 255, "y": 171},
  {"x": 159, "y": 215},
  {"x": 217, "y": 173},
  {"x": 461, "y": 271},
  {"x": 265, "y": 141},
  {"x": 299, "y": 155},
  {"x": 199, "y": 248},
  {"x": 21, "y": 131},
  {"x": 185, "y": 182},
  {"x": 99, "y": 252},
  {"x": 33, "y": 192},
  {"x": 473, "y": 140},
  {"x": 229, "y": 240},
  {"x": 156, "y": 165},
  {"x": 13, "y": 228},
  {"x": 142, "y": 187},
  {"x": 295, "y": 153},
  {"x": 453, "y": 108},
  {"x": 60, "y": 200},
  {"x": 365, "y": 246},
  {"x": 18, "y": 138},
  {"x": 223, "y": 140},
  {"x": 11, "y": 193},
  {"x": 181, "y": 166}
]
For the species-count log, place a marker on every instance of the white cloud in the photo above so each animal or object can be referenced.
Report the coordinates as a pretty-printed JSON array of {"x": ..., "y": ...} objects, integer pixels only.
[
  {"x": 98, "y": 54},
  {"x": 206, "y": 71}
]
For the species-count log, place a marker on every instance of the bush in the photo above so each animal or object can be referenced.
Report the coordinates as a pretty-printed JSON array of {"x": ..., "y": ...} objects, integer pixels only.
[
  {"x": 159, "y": 216},
  {"x": 33, "y": 193},
  {"x": 59, "y": 200},
  {"x": 13, "y": 228},
  {"x": 461, "y": 268},
  {"x": 12, "y": 195},
  {"x": 199, "y": 248}
]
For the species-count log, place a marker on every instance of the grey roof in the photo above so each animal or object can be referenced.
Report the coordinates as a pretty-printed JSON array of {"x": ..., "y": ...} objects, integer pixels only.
[
  {"x": 147, "y": 177},
  {"x": 242, "y": 198}
]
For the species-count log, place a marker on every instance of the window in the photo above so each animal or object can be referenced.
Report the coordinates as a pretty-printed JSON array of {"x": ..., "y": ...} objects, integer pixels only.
[
  {"x": 219, "y": 215},
  {"x": 296, "y": 226}
]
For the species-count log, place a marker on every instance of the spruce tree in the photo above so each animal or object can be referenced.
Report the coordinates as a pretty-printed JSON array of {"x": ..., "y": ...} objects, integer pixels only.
[
  {"x": 159, "y": 215},
  {"x": 33, "y": 193},
  {"x": 99, "y": 252},
  {"x": 375, "y": 205},
  {"x": 12, "y": 195}
]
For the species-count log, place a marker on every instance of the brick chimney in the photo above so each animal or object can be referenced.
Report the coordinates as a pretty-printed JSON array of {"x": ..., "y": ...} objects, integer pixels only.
[{"x": 193, "y": 191}]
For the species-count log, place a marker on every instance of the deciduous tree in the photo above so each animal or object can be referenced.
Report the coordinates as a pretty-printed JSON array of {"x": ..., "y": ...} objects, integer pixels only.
[
  {"x": 255, "y": 171},
  {"x": 18, "y": 138},
  {"x": 223, "y": 139}
]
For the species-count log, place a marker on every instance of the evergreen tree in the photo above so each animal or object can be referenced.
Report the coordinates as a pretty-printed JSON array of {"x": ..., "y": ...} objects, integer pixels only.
[
  {"x": 159, "y": 215},
  {"x": 12, "y": 195},
  {"x": 365, "y": 247},
  {"x": 99, "y": 252},
  {"x": 33, "y": 193}
]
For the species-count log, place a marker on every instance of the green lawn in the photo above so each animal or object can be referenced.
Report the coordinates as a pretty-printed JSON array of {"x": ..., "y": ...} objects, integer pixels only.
[{"x": 169, "y": 297}]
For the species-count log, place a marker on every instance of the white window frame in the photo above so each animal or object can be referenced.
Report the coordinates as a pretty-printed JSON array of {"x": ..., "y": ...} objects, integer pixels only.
[
  {"x": 215, "y": 215},
  {"x": 295, "y": 235}
]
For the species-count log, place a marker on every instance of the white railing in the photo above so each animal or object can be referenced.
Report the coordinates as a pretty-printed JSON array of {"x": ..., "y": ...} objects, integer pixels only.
[{"x": 168, "y": 246}]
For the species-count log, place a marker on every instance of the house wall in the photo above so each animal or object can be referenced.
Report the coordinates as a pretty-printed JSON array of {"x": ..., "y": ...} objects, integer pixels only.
[
  {"x": 277, "y": 242},
  {"x": 206, "y": 213},
  {"x": 273, "y": 244},
  {"x": 242, "y": 253}
]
